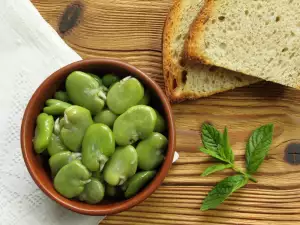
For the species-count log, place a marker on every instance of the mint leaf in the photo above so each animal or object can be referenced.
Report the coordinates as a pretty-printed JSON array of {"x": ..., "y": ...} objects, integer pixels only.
[
  {"x": 213, "y": 140},
  {"x": 227, "y": 151},
  {"x": 211, "y": 137},
  {"x": 258, "y": 147},
  {"x": 222, "y": 191},
  {"x": 215, "y": 168},
  {"x": 213, "y": 154}
]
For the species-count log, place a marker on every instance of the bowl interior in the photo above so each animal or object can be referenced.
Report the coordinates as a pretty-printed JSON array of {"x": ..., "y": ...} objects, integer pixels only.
[{"x": 38, "y": 166}]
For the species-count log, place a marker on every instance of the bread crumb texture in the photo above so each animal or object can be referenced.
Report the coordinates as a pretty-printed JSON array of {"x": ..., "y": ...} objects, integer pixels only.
[{"x": 258, "y": 38}]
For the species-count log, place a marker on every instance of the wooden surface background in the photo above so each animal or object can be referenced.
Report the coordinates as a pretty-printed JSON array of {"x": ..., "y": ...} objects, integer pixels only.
[{"x": 131, "y": 31}]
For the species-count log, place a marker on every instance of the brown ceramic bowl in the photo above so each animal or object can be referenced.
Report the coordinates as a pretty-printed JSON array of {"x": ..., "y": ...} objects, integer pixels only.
[{"x": 38, "y": 168}]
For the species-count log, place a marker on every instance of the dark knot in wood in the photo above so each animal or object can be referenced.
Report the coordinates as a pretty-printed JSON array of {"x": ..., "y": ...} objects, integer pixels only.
[
  {"x": 70, "y": 18},
  {"x": 292, "y": 154}
]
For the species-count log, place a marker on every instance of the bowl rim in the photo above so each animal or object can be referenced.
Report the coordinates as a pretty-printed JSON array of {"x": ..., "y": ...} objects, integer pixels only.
[{"x": 157, "y": 180}]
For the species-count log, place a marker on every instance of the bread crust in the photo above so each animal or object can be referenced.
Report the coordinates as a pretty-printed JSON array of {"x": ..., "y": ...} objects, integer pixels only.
[
  {"x": 169, "y": 68},
  {"x": 195, "y": 33}
]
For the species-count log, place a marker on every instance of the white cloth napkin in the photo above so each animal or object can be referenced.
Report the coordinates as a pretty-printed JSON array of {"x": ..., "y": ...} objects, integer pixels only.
[{"x": 30, "y": 50}]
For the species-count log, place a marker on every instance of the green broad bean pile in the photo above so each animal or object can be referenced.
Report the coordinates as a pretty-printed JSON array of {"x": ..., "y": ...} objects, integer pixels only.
[{"x": 101, "y": 137}]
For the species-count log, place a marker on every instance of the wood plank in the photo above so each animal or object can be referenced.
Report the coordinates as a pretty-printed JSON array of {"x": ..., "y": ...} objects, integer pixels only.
[{"x": 131, "y": 31}]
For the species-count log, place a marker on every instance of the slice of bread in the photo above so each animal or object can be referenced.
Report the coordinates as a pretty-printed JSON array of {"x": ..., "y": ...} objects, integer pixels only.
[
  {"x": 184, "y": 80},
  {"x": 258, "y": 38}
]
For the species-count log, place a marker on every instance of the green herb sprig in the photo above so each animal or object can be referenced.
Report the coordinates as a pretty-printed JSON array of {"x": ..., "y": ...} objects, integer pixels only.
[{"x": 217, "y": 145}]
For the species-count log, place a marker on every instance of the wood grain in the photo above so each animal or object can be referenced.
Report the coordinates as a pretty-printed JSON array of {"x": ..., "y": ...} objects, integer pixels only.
[{"x": 131, "y": 31}]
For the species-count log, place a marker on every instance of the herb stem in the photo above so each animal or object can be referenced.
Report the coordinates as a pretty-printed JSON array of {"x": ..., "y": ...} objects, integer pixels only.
[{"x": 245, "y": 174}]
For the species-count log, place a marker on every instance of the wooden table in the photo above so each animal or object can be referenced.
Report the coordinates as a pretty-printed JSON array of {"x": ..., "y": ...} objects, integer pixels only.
[{"x": 131, "y": 30}]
